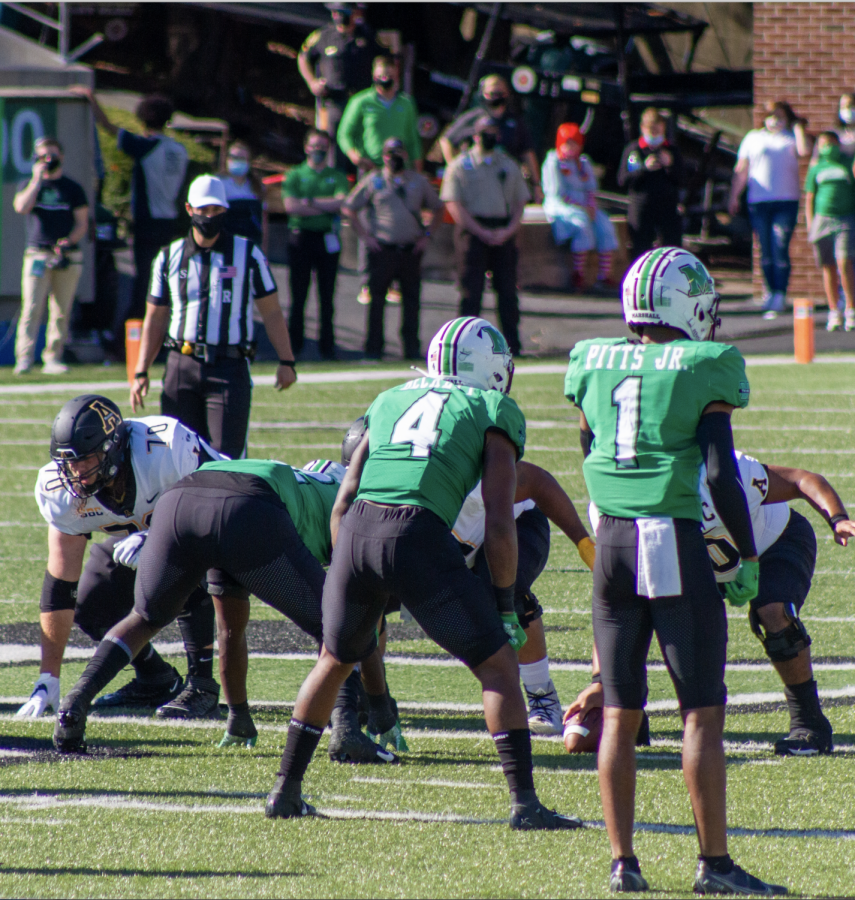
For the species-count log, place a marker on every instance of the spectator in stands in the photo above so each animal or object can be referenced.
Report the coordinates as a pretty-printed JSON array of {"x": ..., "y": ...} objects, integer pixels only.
[
  {"x": 846, "y": 122},
  {"x": 160, "y": 165},
  {"x": 830, "y": 214},
  {"x": 244, "y": 192},
  {"x": 515, "y": 140},
  {"x": 570, "y": 204},
  {"x": 396, "y": 239},
  {"x": 651, "y": 170},
  {"x": 57, "y": 220},
  {"x": 768, "y": 163}
]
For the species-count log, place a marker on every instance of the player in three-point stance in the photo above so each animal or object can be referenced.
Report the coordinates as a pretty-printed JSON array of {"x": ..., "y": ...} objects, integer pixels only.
[
  {"x": 427, "y": 443},
  {"x": 650, "y": 412}
]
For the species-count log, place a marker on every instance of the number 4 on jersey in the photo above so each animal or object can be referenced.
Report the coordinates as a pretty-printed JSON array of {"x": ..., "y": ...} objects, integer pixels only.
[{"x": 417, "y": 426}]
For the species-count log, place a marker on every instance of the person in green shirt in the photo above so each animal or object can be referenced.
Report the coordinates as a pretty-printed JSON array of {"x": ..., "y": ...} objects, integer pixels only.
[
  {"x": 650, "y": 412},
  {"x": 378, "y": 113},
  {"x": 830, "y": 215},
  {"x": 244, "y": 526},
  {"x": 313, "y": 194},
  {"x": 426, "y": 444}
]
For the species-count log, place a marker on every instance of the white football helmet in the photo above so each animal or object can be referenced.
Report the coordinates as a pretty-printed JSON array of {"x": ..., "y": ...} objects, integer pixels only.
[
  {"x": 334, "y": 470},
  {"x": 471, "y": 351},
  {"x": 670, "y": 286}
]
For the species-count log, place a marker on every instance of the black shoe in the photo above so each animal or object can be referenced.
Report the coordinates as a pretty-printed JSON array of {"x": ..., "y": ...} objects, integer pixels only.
[
  {"x": 70, "y": 728},
  {"x": 286, "y": 801},
  {"x": 737, "y": 881},
  {"x": 198, "y": 700},
  {"x": 350, "y": 745},
  {"x": 536, "y": 817},
  {"x": 142, "y": 694},
  {"x": 625, "y": 879},
  {"x": 806, "y": 742}
]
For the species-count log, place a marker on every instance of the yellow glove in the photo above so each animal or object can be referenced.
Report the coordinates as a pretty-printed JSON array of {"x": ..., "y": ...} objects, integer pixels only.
[{"x": 587, "y": 550}]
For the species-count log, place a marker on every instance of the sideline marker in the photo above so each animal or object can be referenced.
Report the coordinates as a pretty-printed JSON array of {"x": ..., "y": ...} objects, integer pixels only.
[
  {"x": 133, "y": 334},
  {"x": 803, "y": 330}
]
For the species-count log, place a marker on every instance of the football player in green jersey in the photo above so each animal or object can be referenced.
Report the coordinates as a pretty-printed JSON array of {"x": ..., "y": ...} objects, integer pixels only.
[
  {"x": 651, "y": 410},
  {"x": 427, "y": 443},
  {"x": 245, "y": 526}
]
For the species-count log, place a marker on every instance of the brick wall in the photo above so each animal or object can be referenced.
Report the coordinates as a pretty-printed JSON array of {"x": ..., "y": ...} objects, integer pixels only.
[{"x": 803, "y": 54}]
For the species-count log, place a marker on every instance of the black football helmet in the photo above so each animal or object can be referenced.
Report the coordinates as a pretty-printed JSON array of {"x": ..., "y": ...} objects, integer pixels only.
[
  {"x": 352, "y": 440},
  {"x": 88, "y": 425}
]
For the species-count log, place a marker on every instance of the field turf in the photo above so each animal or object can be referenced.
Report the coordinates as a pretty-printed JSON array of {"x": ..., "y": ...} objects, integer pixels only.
[{"x": 158, "y": 810}]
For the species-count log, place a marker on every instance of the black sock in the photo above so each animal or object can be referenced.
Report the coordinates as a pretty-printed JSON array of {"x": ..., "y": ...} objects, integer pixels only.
[
  {"x": 196, "y": 623},
  {"x": 299, "y": 748},
  {"x": 348, "y": 693},
  {"x": 721, "y": 865},
  {"x": 382, "y": 715},
  {"x": 514, "y": 748},
  {"x": 803, "y": 702},
  {"x": 200, "y": 662},
  {"x": 630, "y": 863},
  {"x": 239, "y": 708},
  {"x": 109, "y": 659},
  {"x": 151, "y": 667}
]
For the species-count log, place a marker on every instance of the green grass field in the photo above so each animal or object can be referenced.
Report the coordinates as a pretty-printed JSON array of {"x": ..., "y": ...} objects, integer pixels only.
[{"x": 158, "y": 810}]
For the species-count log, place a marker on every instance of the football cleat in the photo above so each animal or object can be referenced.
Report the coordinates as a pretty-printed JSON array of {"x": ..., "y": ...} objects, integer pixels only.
[
  {"x": 70, "y": 728},
  {"x": 198, "y": 700},
  {"x": 141, "y": 694},
  {"x": 736, "y": 881},
  {"x": 349, "y": 745},
  {"x": 286, "y": 801},
  {"x": 833, "y": 323},
  {"x": 626, "y": 878},
  {"x": 45, "y": 696},
  {"x": 805, "y": 742},
  {"x": 536, "y": 817},
  {"x": 544, "y": 710},
  {"x": 240, "y": 730}
]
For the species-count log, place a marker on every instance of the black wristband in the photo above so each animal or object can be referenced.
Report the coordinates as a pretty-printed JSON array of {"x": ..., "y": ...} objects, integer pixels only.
[
  {"x": 505, "y": 598},
  {"x": 840, "y": 517},
  {"x": 292, "y": 363},
  {"x": 143, "y": 374},
  {"x": 597, "y": 679}
]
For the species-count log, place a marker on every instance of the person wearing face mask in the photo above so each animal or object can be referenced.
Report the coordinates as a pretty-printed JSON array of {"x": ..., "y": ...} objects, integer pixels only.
[
  {"x": 244, "y": 192},
  {"x": 395, "y": 238},
  {"x": 651, "y": 170},
  {"x": 768, "y": 163},
  {"x": 486, "y": 194},
  {"x": 200, "y": 308},
  {"x": 830, "y": 214},
  {"x": 515, "y": 138},
  {"x": 57, "y": 220},
  {"x": 570, "y": 204},
  {"x": 846, "y": 126},
  {"x": 313, "y": 193}
]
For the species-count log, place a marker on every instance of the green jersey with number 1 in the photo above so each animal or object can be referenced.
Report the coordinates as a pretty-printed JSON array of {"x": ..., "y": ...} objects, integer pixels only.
[
  {"x": 643, "y": 403},
  {"x": 426, "y": 443}
]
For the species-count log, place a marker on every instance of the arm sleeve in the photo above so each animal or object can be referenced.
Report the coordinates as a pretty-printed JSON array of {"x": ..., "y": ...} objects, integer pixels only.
[
  {"x": 586, "y": 441},
  {"x": 549, "y": 177},
  {"x": 78, "y": 196},
  {"x": 349, "y": 132},
  {"x": 726, "y": 378},
  {"x": 715, "y": 438},
  {"x": 133, "y": 144},
  {"x": 261, "y": 278},
  {"x": 519, "y": 191},
  {"x": 158, "y": 291},
  {"x": 360, "y": 196},
  {"x": 461, "y": 127},
  {"x": 509, "y": 419},
  {"x": 430, "y": 198},
  {"x": 289, "y": 185},
  {"x": 810, "y": 181},
  {"x": 629, "y": 178},
  {"x": 414, "y": 139},
  {"x": 450, "y": 187}
]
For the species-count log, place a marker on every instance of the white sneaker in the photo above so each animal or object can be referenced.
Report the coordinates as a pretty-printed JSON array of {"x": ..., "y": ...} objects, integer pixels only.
[
  {"x": 393, "y": 296},
  {"x": 770, "y": 314},
  {"x": 544, "y": 710},
  {"x": 849, "y": 320},
  {"x": 22, "y": 368},
  {"x": 833, "y": 322},
  {"x": 54, "y": 368},
  {"x": 45, "y": 696},
  {"x": 364, "y": 296}
]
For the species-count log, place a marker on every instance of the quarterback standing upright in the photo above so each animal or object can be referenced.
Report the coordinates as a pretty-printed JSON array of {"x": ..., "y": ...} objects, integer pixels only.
[{"x": 651, "y": 411}]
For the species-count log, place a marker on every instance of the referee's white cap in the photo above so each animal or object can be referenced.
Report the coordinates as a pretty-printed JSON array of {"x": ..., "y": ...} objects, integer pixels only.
[{"x": 207, "y": 190}]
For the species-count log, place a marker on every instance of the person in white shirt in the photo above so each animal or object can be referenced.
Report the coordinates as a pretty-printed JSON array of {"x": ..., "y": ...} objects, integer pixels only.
[{"x": 244, "y": 193}]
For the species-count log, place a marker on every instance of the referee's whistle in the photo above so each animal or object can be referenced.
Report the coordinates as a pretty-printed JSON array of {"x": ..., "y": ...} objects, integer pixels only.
[{"x": 187, "y": 348}]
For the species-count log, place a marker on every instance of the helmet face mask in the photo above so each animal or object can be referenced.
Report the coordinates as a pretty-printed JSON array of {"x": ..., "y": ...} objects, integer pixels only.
[
  {"x": 352, "y": 439},
  {"x": 472, "y": 352}
]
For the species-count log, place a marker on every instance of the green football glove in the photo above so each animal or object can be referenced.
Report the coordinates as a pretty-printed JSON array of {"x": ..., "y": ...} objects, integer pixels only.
[
  {"x": 238, "y": 740},
  {"x": 393, "y": 736},
  {"x": 513, "y": 629},
  {"x": 744, "y": 587}
]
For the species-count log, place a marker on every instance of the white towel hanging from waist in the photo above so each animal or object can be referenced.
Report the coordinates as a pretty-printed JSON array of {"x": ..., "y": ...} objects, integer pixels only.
[{"x": 658, "y": 562}]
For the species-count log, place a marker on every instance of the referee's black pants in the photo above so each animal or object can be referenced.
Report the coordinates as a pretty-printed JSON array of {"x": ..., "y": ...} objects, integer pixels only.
[
  {"x": 384, "y": 266},
  {"x": 307, "y": 252},
  {"x": 213, "y": 399},
  {"x": 474, "y": 259}
]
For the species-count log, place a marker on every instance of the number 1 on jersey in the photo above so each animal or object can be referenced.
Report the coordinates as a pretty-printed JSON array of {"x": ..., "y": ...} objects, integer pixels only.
[
  {"x": 627, "y": 398},
  {"x": 417, "y": 426}
]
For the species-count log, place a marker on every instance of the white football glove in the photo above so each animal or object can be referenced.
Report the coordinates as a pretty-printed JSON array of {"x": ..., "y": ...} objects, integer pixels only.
[
  {"x": 127, "y": 551},
  {"x": 45, "y": 695}
]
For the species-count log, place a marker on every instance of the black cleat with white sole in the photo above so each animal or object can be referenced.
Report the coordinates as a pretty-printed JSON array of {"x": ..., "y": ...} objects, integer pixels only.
[
  {"x": 198, "y": 700},
  {"x": 806, "y": 742},
  {"x": 626, "y": 877},
  {"x": 534, "y": 816},
  {"x": 348, "y": 744},
  {"x": 286, "y": 801},
  {"x": 142, "y": 694},
  {"x": 70, "y": 729},
  {"x": 736, "y": 881}
]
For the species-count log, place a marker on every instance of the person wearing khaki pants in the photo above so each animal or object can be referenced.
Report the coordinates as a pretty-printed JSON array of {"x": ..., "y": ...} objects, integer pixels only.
[{"x": 57, "y": 219}]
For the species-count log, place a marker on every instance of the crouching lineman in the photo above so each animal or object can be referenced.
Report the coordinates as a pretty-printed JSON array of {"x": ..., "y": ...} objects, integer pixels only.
[
  {"x": 106, "y": 474},
  {"x": 247, "y": 526},
  {"x": 426, "y": 445}
]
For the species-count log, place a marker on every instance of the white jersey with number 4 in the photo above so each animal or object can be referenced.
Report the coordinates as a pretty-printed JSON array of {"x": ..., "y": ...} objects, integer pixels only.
[
  {"x": 162, "y": 452},
  {"x": 469, "y": 528}
]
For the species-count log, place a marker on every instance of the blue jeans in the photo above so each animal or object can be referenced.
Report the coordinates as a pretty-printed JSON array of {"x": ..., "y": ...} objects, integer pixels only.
[{"x": 774, "y": 222}]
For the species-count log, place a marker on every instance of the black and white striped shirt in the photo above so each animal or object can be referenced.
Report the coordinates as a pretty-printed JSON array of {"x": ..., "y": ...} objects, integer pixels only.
[{"x": 210, "y": 290}]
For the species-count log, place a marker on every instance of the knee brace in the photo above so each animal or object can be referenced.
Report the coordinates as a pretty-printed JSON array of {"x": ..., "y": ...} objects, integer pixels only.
[
  {"x": 57, "y": 594},
  {"x": 528, "y": 609},
  {"x": 784, "y": 645}
]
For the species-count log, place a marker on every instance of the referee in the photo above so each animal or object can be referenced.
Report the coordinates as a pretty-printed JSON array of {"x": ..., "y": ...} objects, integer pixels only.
[{"x": 199, "y": 308}]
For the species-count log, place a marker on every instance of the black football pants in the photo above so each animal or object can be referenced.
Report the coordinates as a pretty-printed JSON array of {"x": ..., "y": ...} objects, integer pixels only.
[
  {"x": 308, "y": 253},
  {"x": 384, "y": 266}
]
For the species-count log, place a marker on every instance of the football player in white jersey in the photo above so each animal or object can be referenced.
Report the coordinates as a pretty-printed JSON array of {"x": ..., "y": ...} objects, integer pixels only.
[
  {"x": 786, "y": 545},
  {"x": 105, "y": 476}
]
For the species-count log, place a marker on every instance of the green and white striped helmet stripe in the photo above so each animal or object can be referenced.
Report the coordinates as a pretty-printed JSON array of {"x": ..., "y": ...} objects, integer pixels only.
[
  {"x": 643, "y": 295},
  {"x": 448, "y": 344},
  {"x": 317, "y": 465}
]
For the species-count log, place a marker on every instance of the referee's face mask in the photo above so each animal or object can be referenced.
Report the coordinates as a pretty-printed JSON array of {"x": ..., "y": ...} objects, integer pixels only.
[{"x": 207, "y": 220}]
